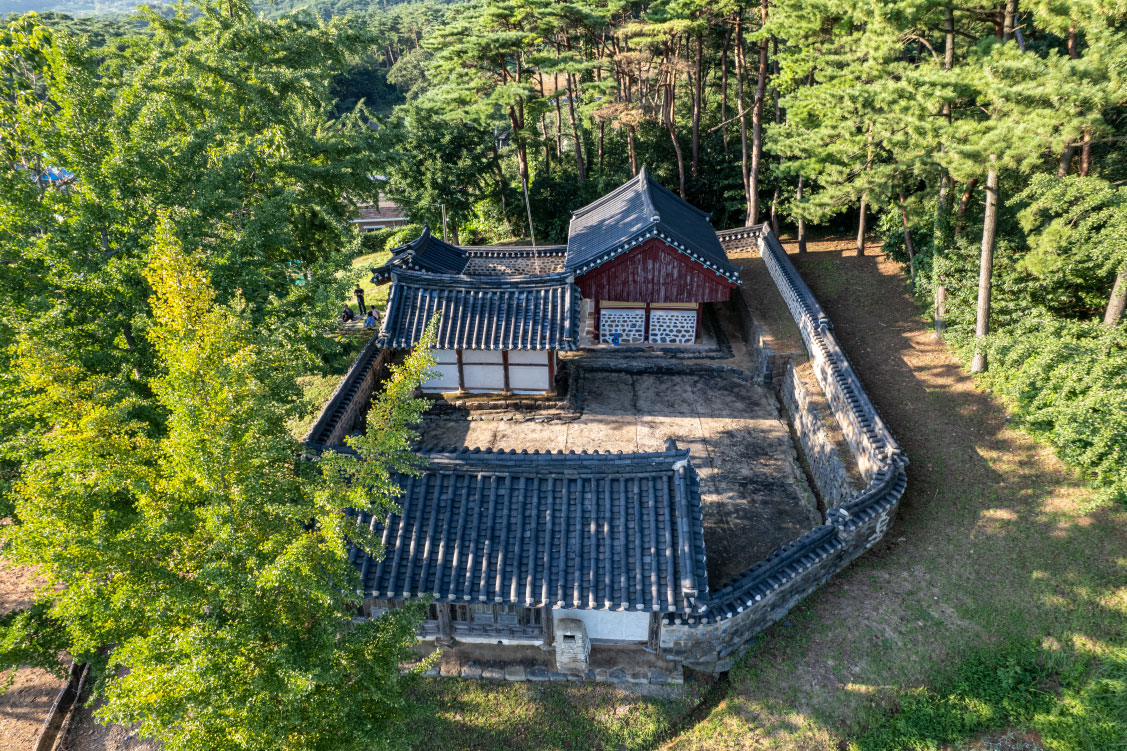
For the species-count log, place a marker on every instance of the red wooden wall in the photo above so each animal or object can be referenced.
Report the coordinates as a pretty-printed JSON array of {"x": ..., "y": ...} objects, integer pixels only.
[{"x": 654, "y": 272}]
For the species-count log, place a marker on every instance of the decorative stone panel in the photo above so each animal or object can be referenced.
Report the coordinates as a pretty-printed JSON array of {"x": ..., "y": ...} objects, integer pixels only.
[
  {"x": 628, "y": 323},
  {"x": 673, "y": 326}
]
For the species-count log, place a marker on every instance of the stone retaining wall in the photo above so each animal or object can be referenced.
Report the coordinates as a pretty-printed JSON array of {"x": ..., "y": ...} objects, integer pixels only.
[
  {"x": 768, "y": 590},
  {"x": 826, "y": 467}
]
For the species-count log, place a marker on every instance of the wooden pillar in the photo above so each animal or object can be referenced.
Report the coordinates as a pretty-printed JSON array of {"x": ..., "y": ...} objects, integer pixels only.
[
  {"x": 646, "y": 328},
  {"x": 505, "y": 369},
  {"x": 596, "y": 328},
  {"x": 461, "y": 372},
  {"x": 547, "y": 625},
  {"x": 700, "y": 311},
  {"x": 552, "y": 355},
  {"x": 445, "y": 622},
  {"x": 654, "y": 640}
]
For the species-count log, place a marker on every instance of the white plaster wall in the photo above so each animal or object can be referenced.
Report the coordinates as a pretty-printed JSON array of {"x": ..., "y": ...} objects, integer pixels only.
[
  {"x": 616, "y": 625},
  {"x": 447, "y": 369}
]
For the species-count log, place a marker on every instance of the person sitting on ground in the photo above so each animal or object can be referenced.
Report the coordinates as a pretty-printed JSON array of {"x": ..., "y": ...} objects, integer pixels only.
[
  {"x": 372, "y": 320},
  {"x": 347, "y": 315}
]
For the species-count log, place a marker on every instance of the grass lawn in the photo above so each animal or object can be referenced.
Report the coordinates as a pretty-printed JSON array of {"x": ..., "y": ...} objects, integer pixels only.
[
  {"x": 997, "y": 602},
  {"x": 317, "y": 387},
  {"x": 373, "y": 295},
  {"x": 451, "y": 713}
]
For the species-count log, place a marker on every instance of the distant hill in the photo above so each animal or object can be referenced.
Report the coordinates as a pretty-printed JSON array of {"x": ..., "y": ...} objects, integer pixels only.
[
  {"x": 73, "y": 7},
  {"x": 325, "y": 8}
]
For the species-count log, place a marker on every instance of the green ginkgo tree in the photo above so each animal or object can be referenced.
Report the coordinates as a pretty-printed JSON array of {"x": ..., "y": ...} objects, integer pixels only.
[{"x": 191, "y": 548}]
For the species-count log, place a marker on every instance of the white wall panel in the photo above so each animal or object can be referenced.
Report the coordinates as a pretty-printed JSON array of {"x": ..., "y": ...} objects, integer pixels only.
[
  {"x": 528, "y": 378},
  {"x": 483, "y": 378},
  {"x": 616, "y": 625}
]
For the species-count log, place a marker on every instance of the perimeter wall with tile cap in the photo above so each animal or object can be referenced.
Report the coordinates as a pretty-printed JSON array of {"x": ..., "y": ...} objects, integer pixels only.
[{"x": 766, "y": 591}]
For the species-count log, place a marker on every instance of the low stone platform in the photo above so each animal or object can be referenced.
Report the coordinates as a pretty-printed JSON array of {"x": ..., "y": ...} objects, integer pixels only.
[{"x": 608, "y": 664}]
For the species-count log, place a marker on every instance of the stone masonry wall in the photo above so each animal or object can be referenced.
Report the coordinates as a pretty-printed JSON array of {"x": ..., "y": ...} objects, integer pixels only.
[
  {"x": 825, "y": 465},
  {"x": 768, "y": 590},
  {"x": 493, "y": 261}
]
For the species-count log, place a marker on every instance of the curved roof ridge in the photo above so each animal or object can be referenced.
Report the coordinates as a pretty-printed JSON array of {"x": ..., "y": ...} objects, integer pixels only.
[
  {"x": 431, "y": 279},
  {"x": 624, "y": 188}
]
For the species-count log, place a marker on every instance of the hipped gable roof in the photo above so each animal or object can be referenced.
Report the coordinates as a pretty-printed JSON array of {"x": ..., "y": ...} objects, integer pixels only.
[
  {"x": 636, "y": 211},
  {"x": 425, "y": 253},
  {"x": 537, "y": 312},
  {"x": 593, "y": 531}
]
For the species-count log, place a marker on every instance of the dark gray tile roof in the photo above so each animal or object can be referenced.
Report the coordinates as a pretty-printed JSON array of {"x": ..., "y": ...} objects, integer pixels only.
[
  {"x": 536, "y": 312},
  {"x": 425, "y": 253},
  {"x": 635, "y": 212},
  {"x": 594, "y": 531}
]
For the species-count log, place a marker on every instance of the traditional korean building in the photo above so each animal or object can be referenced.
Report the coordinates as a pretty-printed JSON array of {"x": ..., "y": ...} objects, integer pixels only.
[
  {"x": 644, "y": 259},
  {"x": 647, "y": 260},
  {"x": 509, "y": 544},
  {"x": 495, "y": 334}
]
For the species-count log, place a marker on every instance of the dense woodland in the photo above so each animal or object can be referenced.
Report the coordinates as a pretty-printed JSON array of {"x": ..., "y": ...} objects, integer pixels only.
[
  {"x": 174, "y": 201},
  {"x": 981, "y": 145}
]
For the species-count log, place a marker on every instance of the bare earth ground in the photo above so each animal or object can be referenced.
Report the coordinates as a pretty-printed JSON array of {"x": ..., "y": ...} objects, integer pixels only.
[
  {"x": 24, "y": 707},
  {"x": 755, "y": 497},
  {"x": 995, "y": 538}
]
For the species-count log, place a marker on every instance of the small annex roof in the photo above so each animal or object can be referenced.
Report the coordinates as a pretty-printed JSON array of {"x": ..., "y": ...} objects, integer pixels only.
[
  {"x": 636, "y": 211},
  {"x": 536, "y": 312},
  {"x": 425, "y": 253},
  {"x": 595, "y": 531}
]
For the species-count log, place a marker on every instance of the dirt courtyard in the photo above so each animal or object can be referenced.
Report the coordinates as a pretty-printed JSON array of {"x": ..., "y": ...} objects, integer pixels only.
[{"x": 755, "y": 496}]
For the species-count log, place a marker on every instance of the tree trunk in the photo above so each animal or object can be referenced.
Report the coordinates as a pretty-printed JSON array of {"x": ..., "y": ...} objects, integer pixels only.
[
  {"x": 667, "y": 113},
  {"x": 1069, "y": 152},
  {"x": 908, "y": 240},
  {"x": 559, "y": 125},
  {"x": 860, "y": 224},
  {"x": 968, "y": 194},
  {"x": 522, "y": 165},
  {"x": 572, "y": 93},
  {"x": 698, "y": 94},
  {"x": 1118, "y": 300},
  {"x": 744, "y": 162},
  {"x": 757, "y": 127},
  {"x": 501, "y": 186},
  {"x": 942, "y": 224},
  {"x": 1065, "y": 163},
  {"x": 1086, "y": 153},
  {"x": 801, "y": 221},
  {"x": 985, "y": 268},
  {"x": 602, "y": 134},
  {"x": 724, "y": 88},
  {"x": 940, "y": 310},
  {"x": 1008, "y": 19},
  {"x": 633, "y": 151}
]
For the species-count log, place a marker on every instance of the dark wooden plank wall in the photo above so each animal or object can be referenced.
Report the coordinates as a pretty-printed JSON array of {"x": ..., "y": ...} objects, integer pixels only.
[{"x": 654, "y": 272}]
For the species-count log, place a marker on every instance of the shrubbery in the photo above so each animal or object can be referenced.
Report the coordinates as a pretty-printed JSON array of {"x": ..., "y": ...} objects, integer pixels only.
[{"x": 1074, "y": 704}]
